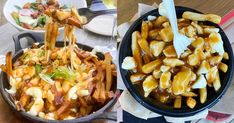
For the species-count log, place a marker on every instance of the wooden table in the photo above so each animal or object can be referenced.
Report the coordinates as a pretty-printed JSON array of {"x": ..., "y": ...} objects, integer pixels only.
[{"x": 127, "y": 8}]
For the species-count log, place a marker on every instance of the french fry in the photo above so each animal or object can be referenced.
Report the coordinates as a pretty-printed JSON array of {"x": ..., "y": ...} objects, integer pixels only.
[
  {"x": 156, "y": 47},
  {"x": 191, "y": 103},
  {"x": 217, "y": 83},
  {"x": 223, "y": 67},
  {"x": 144, "y": 30},
  {"x": 189, "y": 94},
  {"x": 172, "y": 62},
  {"x": 159, "y": 21},
  {"x": 136, "y": 51},
  {"x": 166, "y": 34},
  {"x": 144, "y": 46},
  {"x": 203, "y": 94},
  {"x": 201, "y": 17},
  {"x": 149, "y": 84},
  {"x": 157, "y": 73},
  {"x": 198, "y": 27},
  {"x": 107, "y": 62},
  {"x": 225, "y": 56},
  {"x": 178, "y": 102},
  {"x": 146, "y": 58},
  {"x": 153, "y": 34},
  {"x": 9, "y": 64},
  {"x": 148, "y": 68},
  {"x": 165, "y": 80}
]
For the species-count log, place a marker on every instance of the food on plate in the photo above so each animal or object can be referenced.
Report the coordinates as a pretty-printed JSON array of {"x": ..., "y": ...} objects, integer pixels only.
[
  {"x": 59, "y": 83},
  {"x": 35, "y": 15},
  {"x": 172, "y": 80}
]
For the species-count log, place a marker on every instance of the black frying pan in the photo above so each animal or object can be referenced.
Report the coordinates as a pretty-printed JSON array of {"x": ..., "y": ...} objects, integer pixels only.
[
  {"x": 154, "y": 105},
  {"x": 99, "y": 114}
]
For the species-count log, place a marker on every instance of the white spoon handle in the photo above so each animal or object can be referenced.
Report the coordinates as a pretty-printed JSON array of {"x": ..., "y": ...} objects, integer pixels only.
[{"x": 171, "y": 13}]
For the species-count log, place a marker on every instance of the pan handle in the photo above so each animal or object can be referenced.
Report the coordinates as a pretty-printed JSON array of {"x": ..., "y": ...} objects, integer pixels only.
[{"x": 17, "y": 37}]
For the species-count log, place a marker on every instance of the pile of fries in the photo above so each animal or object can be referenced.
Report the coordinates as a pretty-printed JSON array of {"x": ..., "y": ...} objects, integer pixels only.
[
  {"x": 59, "y": 83},
  {"x": 171, "y": 79}
]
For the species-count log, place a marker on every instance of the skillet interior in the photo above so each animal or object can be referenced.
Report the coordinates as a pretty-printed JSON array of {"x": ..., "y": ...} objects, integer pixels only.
[{"x": 7, "y": 97}]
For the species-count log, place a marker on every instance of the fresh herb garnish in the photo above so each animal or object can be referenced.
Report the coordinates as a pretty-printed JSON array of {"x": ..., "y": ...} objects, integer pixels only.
[
  {"x": 34, "y": 5},
  {"x": 17, "y": 7},
  {"x": 38, "y": 68}
]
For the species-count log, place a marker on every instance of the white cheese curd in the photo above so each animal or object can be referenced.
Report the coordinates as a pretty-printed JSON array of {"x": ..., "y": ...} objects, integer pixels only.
[{"x": 200, "y": 83}]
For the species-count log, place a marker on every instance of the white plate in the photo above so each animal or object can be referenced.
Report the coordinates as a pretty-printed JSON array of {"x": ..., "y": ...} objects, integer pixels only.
[
  {"x": 9, "y": 8},
  {"x": 102, "y": 25}
]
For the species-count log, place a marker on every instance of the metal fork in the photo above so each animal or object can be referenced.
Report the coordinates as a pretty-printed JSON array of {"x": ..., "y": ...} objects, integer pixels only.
[{"x": 89, "y": 14}]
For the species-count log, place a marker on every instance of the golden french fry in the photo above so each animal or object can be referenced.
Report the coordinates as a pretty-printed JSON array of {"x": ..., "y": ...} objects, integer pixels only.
[
  {"x": 146, "y": 58},
  {"x": 211, "y": 30},
  {"x": 150, "y": 25},
  {"x": 166, "y": 34},
  {"x": 156, "y": 47},
  {"x": 178, "y": 102},
  {"x": 180, "y": 81},
  {"x": 135, "y": 78},
  {"x": 193, "y": 60},
  {"x": 172, "y": 62},
  {"x": 75, "y": 13},
  {"x": 203, "y": 94},
  {"x": 159, "y": 21},
  {"x": 148, "y": 68},
  {"x": 215, "y": 60},
  {"x": 189, "y": 94},
  {"x": 191, "y": 103},
  {"x": 210, "y": 76},
  {"x": 198, "y": 43},
  {"x": 225, "y": 56},
  {"x": 201, "y": 17},
  {"x": 198, "y": 27},
  {"x": 164, "y": 68},
  {"x": 165, "y": 80},
  {"x": 186, "y": 53},
  {"x": 157, "y": 73},
  {"x": 223, "y": 67},
  {"x": 189, "y": 31},
  {"x": 149, "y": 84},
  {"x": 166, "y": 24},
  {"x": 62, "y": 15},
  {"x": 169, "y": 51},
  {"x": 153, "y": 34},
  {"x": 9, "y": 64},
  {"x": 217, "y": 83},
  {"x": 136, "y": 51},
  {"x": 144, "y": 30},
  {"x": 107, "y": 62},
  {"x": 144, "y": 46}
]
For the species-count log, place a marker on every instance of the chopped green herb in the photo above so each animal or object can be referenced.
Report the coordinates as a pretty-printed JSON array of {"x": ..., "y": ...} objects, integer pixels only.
[
  {"x": 34, "y": 5},
  {"x": 15, "y": 16},
  {"x": 38, "y": 68},
  {"x": 17, "y": 7},
  {"x": 41, "y": 21}
]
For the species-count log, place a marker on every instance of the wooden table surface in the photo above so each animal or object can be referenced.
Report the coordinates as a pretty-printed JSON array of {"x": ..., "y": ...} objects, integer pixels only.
[{"x": 127, "y": 8}]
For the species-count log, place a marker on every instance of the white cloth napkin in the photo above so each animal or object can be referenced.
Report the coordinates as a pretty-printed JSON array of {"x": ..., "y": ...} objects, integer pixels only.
[{"x": 127, "y": 102}]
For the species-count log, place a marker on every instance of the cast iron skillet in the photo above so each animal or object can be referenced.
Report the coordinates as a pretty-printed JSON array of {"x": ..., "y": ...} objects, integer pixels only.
[
  {"x": 154, "y": 105},
  {"x": 99, "y": 114}
]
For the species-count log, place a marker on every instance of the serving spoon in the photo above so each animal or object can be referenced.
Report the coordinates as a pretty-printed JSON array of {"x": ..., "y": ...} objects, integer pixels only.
[
  {"x": 180, "y": 42},
  {"x": 88, "y": 14}
]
